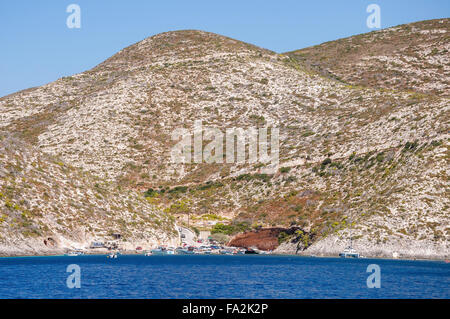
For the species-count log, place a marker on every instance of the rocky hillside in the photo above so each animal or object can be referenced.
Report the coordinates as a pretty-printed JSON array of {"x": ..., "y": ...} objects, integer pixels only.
[
  {"x": 356, "y": 158},
  {"x": 47, "y": 206},
  {"x": 407, "y": 57}
]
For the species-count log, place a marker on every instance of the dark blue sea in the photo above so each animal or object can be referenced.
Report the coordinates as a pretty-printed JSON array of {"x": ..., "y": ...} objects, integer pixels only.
[{"x": 220, "y": 277}]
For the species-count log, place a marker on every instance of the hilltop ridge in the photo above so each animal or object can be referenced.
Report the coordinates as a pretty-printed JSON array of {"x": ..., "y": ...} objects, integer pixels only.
[{"x": 411, "y": 56}]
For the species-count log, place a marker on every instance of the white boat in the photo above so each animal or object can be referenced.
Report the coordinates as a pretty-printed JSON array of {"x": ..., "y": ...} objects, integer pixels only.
[
  {"x": 73, "y": 253},
  {"x": 162, "y": 251},
  {"x": 185, "y": 251},
  {"x": 158, "y": 251},
  {"x": 349, "y": 252},
  {"x": 113, "y": 255}
]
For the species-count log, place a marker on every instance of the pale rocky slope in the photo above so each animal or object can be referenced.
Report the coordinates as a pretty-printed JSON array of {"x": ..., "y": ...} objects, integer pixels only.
[
  {"x": 48, "y": 207},
  {"x": 115, "y": 122}
]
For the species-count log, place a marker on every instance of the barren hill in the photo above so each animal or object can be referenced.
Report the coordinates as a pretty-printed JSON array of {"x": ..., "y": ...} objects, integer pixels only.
[{"x": 361, "y": 161}]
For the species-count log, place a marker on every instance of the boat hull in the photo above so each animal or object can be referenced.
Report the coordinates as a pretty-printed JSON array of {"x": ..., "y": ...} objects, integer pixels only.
[{"x": 344, "y": 255}]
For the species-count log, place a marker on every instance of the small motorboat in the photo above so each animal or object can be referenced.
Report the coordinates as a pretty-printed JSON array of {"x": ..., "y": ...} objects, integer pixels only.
[
  {"x": 113, "y": 255},
  {"x": 204, "y": 250},
  {"x": 159, "y": 251},
  {"x": 185, "y": 251},
  {"x": 74, "y": 253},
  {"x": 349, "y": 252}
]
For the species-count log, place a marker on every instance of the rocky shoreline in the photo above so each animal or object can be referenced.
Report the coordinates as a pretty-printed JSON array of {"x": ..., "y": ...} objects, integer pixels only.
[
  {"x": 60, "y": 245},
  {"x": 271, "y": 239},
  {"x": 265, "y": 239},
  {"x": 396, "y": 249}
]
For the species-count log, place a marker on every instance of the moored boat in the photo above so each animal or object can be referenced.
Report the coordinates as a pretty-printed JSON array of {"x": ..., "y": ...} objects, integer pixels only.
[
  {"x": 75, "y": 252},
  {"x": 159, "y": 251},
  {"x": 162, "y": 251},
  {"x": 250, "y": 251},
  {"x": 185, "y": 251},
  {"x": 349, "y": 252},
  {"x": 113, "y": 255},
  {"x": 72, "y": 254}
]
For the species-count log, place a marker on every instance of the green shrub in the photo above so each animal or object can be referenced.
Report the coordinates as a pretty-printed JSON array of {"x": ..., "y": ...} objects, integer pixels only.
[
  {"x": 221, "y": 238},
  {"x": 352, "y": 156},
  {"x": 290, "y": 179},
  {"x": 230, "y": 229},
  {"x": 282, "y": 237},
  {"x": 247, "y": 177},
  {"x": 196, "y": 231},
  {"x": 222, "y": 229},
  {"x": 210, "y": 185},
  {"x": 285, "y": 170},
  {"x": 326, "y": 161},
  {"x": 410, "y": 146},
  {"x": 151, "y": 193},
  {"x": 178, "y": 189},
  {"x": 380, "y": 157}
]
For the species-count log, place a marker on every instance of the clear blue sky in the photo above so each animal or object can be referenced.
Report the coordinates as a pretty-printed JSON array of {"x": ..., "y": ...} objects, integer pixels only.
[{"x": 37, "y": 47}]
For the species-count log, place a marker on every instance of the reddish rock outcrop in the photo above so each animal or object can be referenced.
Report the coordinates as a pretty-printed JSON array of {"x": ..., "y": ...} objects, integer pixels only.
[{"x": 263, "y": 239}]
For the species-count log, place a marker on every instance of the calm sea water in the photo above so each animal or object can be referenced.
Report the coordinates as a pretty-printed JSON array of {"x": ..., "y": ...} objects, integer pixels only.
[{"x": 221, "y": 277}]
